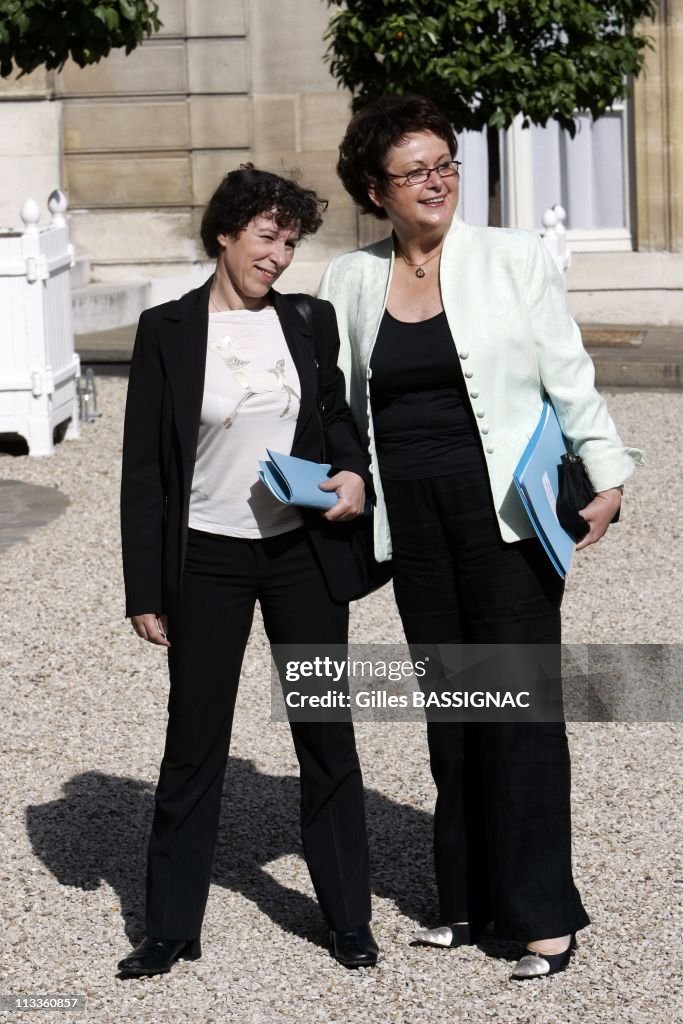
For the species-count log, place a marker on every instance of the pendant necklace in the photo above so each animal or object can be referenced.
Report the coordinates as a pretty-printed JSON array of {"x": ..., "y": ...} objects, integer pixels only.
[{"x": 419, "y": 271}]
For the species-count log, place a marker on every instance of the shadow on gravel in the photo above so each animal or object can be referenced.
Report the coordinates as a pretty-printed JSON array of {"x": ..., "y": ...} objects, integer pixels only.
[{"x": 97, "y": 832}]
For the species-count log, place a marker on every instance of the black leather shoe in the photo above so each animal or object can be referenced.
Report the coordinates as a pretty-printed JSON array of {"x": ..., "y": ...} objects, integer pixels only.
[
  {"x": 355, "y": 947},
  {"x": 157, "y": 956}
]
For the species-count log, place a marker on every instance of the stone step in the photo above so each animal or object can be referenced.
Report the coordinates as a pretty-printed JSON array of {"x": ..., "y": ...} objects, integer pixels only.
[
  {"x": 641, "y": 357},
  {"x": 103, "y": 307},
  {"x": 104, "y": 347}
]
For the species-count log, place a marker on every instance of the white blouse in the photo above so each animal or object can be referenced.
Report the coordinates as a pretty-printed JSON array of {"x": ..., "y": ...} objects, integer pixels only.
[{"x": 251, "y": 402}]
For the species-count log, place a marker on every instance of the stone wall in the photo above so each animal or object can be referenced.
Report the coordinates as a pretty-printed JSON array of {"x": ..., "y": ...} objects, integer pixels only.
[
  {"x": 144, "y": 135},
  {"x": 140, "y": 142},
  {"x": 148, "y": 137},
  {"x": 31, "y": 134}
]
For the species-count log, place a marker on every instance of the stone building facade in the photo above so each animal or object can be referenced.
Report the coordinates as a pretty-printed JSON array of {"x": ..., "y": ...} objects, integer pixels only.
[{"x": 139, "y": 143}]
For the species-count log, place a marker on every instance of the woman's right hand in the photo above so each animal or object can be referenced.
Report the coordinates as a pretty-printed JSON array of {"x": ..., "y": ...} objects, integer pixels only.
[
  {"x": 152, "y": 627},
  {"x": 599, "y": 514}
]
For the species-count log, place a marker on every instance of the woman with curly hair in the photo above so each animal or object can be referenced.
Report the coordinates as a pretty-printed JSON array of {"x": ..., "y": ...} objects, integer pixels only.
[{"x": 217, "y": 377}]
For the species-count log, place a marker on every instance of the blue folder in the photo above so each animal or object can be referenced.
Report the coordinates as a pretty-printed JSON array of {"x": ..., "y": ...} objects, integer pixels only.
[
  {"x": 536, "y": 479},
  {"x": 295, "y": 481}
]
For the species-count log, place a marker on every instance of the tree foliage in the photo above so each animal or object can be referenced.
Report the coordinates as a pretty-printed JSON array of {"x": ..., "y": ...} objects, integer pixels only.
[
  {"x": 48, "y": 32},
  {"x": 484, "y": 62}
]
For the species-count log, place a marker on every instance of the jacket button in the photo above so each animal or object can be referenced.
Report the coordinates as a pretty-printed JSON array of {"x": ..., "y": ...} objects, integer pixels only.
[
  {"x": 489, "y": 451},
  {"x": 469, "y": 373},
  {"x": 474, "y": 394},
  {"x": 484, "y": 430},
  {"x": 480, "y": 414},
  {"x": 464, "y": 355}
]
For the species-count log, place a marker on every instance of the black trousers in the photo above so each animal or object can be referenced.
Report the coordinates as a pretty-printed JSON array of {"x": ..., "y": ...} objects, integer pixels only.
[
  {"x": 223, "y": 579},
  {"x": 502, "y": 825}
]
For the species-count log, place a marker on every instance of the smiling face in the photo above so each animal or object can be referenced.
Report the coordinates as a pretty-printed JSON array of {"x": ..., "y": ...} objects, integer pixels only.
[
  {"x": 428, "y": 207},
  {"x": 250, "y": 262}
]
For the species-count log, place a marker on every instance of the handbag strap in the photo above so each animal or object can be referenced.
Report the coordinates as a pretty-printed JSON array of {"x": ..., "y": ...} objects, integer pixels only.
[{"x": 304, "y": 308}]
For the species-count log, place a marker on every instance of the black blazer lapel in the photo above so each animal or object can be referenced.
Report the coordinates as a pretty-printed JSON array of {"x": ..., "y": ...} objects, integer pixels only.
[
  {"x": 299, "y": 338},
  {"x": 183, "y": 340}
]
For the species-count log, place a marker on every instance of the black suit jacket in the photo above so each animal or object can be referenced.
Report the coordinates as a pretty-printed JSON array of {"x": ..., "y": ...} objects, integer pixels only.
[{"x": 163, "y": 408}]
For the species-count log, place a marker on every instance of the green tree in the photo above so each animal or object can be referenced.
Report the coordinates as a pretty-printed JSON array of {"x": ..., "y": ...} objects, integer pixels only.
[
  {"x": 48, "y": 32},
  {"x": 485, "y": 62}
]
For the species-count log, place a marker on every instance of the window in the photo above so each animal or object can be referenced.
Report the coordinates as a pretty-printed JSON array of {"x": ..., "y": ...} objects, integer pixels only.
[{"x": 588, "y": 175}]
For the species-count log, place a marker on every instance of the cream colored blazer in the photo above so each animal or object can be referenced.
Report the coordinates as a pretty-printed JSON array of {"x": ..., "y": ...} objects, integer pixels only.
[{"x": 505, "y": 304}]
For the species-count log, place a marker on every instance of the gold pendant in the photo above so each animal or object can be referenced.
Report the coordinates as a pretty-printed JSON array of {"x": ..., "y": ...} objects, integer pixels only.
[{"x": 419, "y": 272}]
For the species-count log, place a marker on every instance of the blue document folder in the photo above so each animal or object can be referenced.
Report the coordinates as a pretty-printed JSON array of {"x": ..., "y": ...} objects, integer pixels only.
[
  {"x": 295, "y": 481},
  {"x": 536, "y": 479}
]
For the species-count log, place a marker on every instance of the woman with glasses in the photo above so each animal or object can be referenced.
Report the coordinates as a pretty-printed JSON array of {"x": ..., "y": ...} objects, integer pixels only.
[{"x": 451, "y": 338}]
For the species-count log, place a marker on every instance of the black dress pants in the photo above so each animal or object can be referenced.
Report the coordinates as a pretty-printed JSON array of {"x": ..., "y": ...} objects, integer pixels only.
[
  {"x": 208, "y": 632},
  {"x": 502, "y": 825}
]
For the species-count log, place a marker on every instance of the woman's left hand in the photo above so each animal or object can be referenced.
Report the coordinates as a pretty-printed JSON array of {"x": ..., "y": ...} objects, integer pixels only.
[
  {"x": 350, "y": 488},
  {"x": 599, "y": 514}
]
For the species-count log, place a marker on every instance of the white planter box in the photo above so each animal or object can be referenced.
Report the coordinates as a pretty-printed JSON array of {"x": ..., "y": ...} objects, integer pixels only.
[{"x": 38, "y": 366}]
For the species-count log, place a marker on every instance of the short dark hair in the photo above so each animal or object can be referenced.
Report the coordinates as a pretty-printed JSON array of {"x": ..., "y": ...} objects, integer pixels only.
[
  {"x": 247, "y": 192},
  {"x": 372, "y": 132}
]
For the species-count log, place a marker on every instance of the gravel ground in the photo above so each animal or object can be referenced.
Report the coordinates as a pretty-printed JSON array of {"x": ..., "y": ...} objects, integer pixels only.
[{"x": 83, "y": 703}]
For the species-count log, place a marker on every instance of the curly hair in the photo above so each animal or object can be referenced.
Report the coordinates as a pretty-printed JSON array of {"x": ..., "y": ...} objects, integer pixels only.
[
  {"x": 245, "y": 193},
  {"x": 373, "y": 131}
]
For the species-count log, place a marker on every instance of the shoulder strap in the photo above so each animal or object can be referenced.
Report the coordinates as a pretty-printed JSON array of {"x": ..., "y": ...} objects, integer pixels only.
[
  {"x": 302, "y": 302},
  {"x": 304, "y": 309}
]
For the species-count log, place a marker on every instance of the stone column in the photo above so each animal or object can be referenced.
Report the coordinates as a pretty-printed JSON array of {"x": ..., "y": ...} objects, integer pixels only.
[
  {"x": 658, "y": 115},
  {"x": 675, "y": 64}
]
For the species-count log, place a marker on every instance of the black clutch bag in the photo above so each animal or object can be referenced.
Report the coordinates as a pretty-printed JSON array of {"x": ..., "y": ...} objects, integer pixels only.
[{"x": 575, "y": 492}]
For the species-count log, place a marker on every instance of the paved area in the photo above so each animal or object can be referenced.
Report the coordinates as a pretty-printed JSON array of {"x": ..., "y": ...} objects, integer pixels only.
[
  {"x": 25, "y": 507},
  {"x": 83, "y": 708},
  {"x": 629, "y": 357}
]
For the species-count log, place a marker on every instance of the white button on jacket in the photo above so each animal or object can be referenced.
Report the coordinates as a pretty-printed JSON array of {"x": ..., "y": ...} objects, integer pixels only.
[{"x": 506, "y": 308}]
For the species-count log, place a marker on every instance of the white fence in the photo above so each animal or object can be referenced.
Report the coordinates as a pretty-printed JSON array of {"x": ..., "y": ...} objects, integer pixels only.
[{"x": 38, "y": 366}]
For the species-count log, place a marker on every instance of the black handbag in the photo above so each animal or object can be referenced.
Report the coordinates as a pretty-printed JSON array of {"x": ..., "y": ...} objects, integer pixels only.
[
  {"x": 361, "y": 531},
  {"x": 575, "y": 492},
  {"x": 373, "y": 574}
]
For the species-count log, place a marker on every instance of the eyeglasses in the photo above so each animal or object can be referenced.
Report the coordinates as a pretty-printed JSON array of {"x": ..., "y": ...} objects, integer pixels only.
[{"x": 422, "y": 174}]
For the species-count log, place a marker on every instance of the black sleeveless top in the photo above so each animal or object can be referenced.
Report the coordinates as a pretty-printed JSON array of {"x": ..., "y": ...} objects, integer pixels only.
[{"x": 420, "y": 409}]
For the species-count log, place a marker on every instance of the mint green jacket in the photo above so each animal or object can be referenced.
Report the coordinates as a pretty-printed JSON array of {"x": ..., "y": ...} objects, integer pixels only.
[{"x": 506, "y": 307}]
